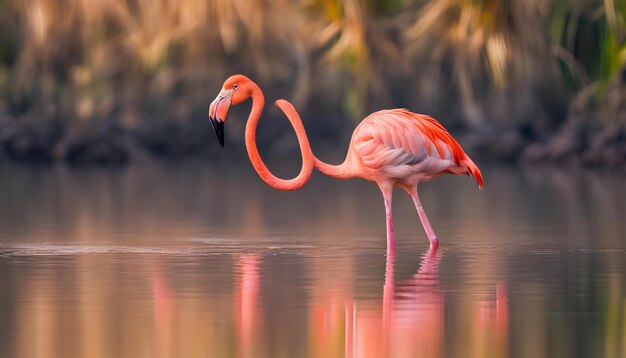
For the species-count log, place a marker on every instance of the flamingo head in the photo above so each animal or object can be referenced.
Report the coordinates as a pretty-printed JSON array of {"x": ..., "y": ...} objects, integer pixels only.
[{"x": 236, "y": 89}]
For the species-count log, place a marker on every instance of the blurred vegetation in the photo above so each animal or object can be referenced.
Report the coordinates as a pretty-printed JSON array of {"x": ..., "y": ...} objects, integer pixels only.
[{"x": 547, "y": 76}]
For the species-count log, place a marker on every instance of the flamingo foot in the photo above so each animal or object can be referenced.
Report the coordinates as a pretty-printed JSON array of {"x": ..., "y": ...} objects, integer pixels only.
[{"x": 434, "y": 245}]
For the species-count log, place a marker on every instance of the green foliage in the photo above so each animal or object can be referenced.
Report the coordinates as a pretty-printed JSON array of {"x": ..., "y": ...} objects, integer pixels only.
[{"x": 592, "y": 35}]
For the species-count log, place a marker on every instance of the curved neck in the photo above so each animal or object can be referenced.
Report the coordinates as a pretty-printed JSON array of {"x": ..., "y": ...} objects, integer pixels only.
[
  {"x": 309, "y": 161},
  {"x": 253, "y": 152}
]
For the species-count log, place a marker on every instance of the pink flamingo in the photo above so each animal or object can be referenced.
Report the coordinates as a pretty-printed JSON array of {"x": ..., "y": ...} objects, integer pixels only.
[{"x": 393, "y": 148}]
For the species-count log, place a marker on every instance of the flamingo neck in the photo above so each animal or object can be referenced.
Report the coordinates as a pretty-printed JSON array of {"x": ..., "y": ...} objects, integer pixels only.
[
  {"x": 258, "y": 103},
  {"x": 341, "y": 171}
]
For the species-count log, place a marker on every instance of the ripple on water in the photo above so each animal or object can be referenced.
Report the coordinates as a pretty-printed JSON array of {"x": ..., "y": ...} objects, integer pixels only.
[
  {"x": 62, "y": 250},
  {"x": 199, "y": 246}
]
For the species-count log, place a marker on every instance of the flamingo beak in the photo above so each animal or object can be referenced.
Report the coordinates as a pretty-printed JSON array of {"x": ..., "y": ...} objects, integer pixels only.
[
  {"x": 217, "y": 113},
  {"x": 218, "y": 126}
]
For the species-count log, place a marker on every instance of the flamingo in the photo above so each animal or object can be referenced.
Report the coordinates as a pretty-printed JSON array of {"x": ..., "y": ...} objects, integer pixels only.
[{"x": 392, "y": 148}]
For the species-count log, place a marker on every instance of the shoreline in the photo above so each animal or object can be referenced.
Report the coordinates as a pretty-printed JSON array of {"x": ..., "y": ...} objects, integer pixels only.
[{"x": 107, "y": 143}]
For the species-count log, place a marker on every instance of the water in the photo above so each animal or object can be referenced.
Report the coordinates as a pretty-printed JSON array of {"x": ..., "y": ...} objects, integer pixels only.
[{"x": 190, "y": 260}]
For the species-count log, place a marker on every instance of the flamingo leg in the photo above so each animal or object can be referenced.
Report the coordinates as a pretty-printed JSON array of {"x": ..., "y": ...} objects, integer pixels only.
[
  {"x": 434, "y": 243},
  {"x": 391, "y": 243}
]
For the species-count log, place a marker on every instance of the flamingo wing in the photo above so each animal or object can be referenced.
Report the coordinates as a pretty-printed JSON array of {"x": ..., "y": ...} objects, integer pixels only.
[{"x": 402, "y": 144}]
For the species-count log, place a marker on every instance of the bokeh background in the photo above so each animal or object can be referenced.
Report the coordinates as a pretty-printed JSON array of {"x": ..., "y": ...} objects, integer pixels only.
[
  {"x": 198, "y": 257},
  {"x": 109, "y": 81}
]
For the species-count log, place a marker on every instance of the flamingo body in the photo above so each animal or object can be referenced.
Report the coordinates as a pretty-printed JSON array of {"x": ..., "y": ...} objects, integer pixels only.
[
  {"x": 403, "y": 148},
  {"x": 392, "y": 148}
]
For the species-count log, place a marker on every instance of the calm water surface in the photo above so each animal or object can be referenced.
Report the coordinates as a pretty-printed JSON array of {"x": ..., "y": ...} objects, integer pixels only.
[{"x": 188, "y": 260}]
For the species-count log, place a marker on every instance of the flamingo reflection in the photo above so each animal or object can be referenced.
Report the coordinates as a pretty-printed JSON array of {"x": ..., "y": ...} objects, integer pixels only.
[
  {"x": 164, "y": 309},
  {"x": 247, "y": 306},
  {"x": 489, "y": 335},
  {"x": 169, "y": 309},
  {"x": 410, "y": 320},
  {"x": 416, "y": 319}
]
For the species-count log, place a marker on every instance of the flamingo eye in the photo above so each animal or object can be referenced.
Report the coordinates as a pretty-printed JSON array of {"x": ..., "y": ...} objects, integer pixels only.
[{"x": 235, "y": 86}]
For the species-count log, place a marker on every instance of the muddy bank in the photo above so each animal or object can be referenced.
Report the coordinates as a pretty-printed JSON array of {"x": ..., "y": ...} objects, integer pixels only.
[
  {"x": 107, "y": 143},
  {"x": 585, "y": 146}
]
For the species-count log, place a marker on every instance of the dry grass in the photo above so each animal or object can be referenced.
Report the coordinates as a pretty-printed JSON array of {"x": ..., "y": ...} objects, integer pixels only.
[{"x": 93, "y": 58}]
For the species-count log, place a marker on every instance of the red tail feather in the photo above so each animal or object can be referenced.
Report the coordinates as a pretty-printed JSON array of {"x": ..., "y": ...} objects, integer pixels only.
[{"x": 473, "y": 170}]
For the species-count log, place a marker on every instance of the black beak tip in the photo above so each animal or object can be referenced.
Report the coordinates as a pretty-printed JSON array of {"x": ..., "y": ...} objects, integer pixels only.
[{"x": 218, "y": 126}]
